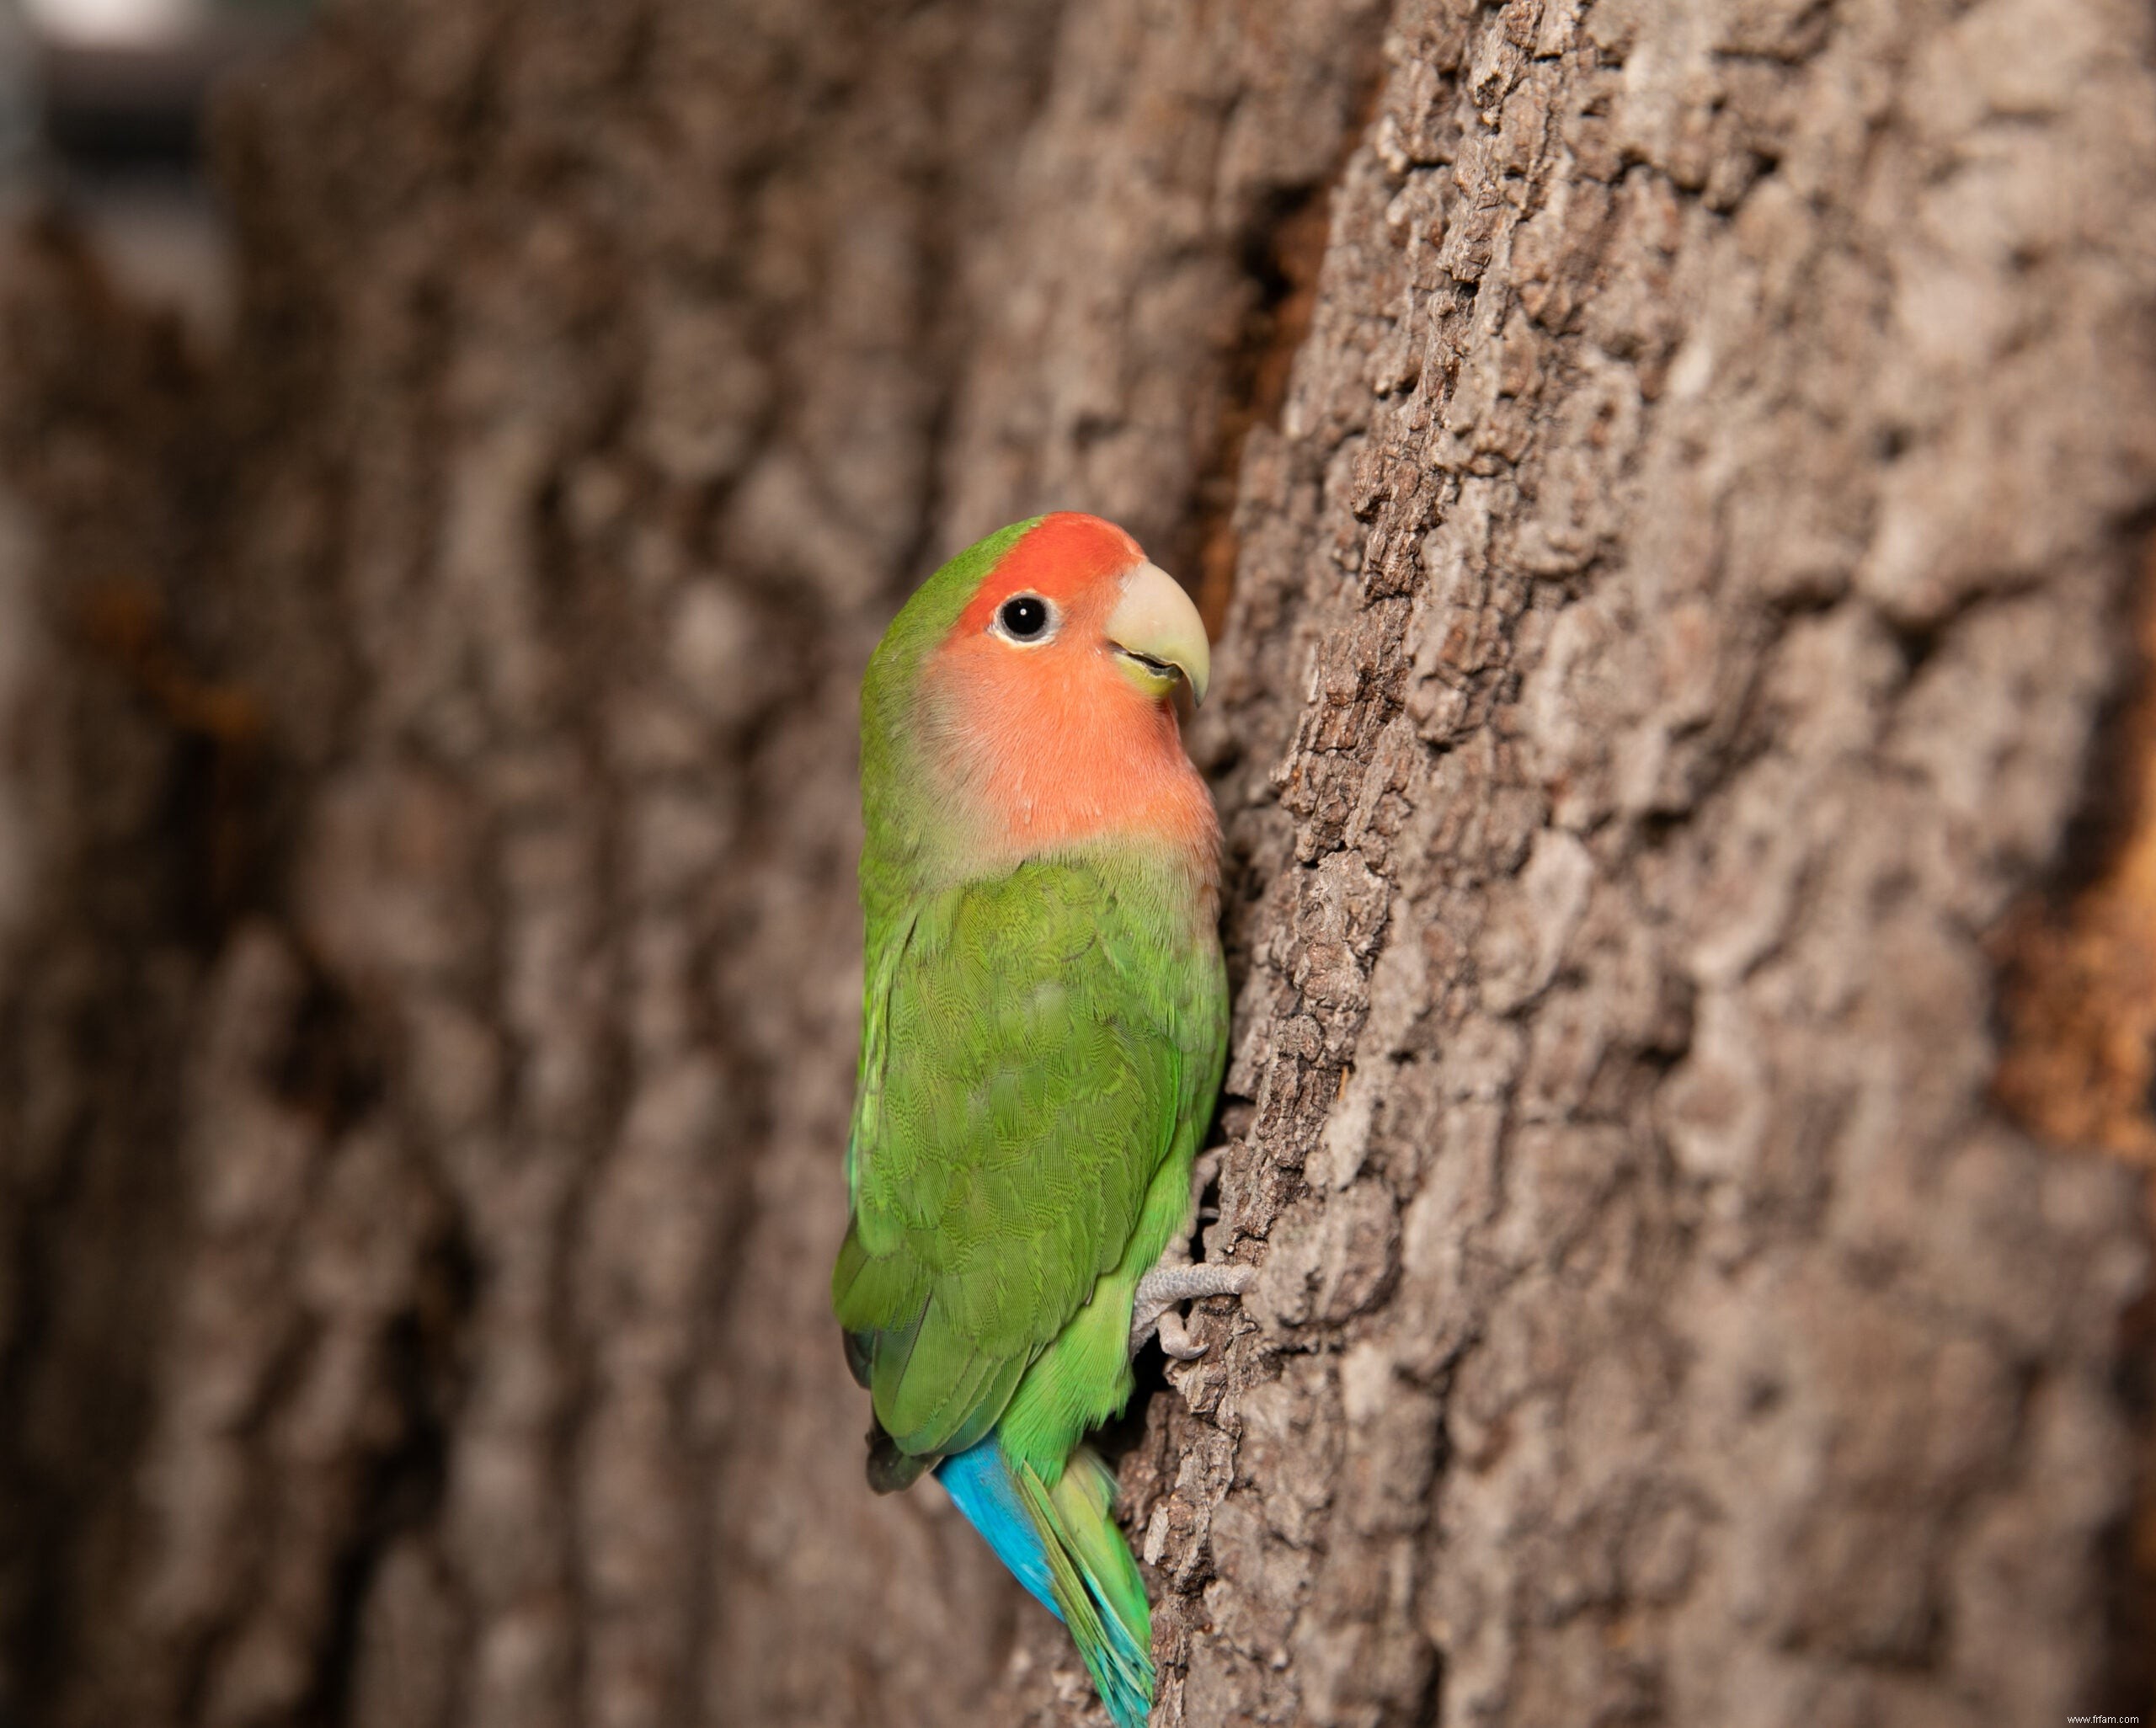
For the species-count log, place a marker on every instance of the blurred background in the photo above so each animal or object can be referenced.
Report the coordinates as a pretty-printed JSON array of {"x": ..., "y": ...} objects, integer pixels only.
[{"x": 102, "y": 108}]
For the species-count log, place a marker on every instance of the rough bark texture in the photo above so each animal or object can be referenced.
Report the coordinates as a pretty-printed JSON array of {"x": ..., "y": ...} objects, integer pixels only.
[
  {"x": 1676, "y": 594},
  {"x": 1698, "y": 527}
]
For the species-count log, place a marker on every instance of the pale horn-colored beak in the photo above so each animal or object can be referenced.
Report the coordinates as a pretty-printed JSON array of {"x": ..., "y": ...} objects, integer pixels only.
[{"x": 1155, "y": 628}]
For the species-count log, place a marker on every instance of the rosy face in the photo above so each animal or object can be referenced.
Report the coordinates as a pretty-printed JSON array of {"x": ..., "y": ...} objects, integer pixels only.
[
  {"x": 1075, "y": 596},
  {"x": 1054, "y": 691}
]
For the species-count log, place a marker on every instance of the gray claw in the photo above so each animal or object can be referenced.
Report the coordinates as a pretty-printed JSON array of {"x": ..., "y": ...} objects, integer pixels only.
[
  {"x": 1175, "y": 1280},
  {"x": 1175, "y": 1339},
  {"x": 1165, "y": 1288}
]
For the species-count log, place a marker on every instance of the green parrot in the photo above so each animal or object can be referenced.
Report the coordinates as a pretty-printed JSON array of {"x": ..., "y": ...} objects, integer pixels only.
[{"x": 1044, "y": 1023}]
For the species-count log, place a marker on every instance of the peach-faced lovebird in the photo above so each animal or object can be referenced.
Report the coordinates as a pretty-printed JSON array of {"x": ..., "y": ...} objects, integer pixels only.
[{"x": 1044, "y": 1025}]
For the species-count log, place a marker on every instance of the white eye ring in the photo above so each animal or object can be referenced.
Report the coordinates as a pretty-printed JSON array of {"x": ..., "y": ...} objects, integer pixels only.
[{"x": 1026, "y": 620}]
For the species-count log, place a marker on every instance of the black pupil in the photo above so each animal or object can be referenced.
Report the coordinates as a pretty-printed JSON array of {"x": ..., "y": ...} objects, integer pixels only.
[{"x": 1025, "y": 618}]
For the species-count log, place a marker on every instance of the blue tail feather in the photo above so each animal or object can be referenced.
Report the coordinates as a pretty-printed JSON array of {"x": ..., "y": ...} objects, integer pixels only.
[
  {"x": 981, "y": 1483},
  {"x": 1064, "y": 1548}
]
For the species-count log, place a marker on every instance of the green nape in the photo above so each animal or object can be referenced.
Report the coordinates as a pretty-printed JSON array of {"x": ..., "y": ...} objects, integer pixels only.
[{"x": 894, "y": 807}]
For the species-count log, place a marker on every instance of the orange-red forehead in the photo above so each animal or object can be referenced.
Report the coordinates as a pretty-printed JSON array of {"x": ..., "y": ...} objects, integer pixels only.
[{"x": 1068, "y": 557}]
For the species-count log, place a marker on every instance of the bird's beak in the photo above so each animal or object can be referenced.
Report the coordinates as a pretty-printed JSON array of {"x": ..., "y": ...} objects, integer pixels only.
[{"x": 1157, "y": 631}]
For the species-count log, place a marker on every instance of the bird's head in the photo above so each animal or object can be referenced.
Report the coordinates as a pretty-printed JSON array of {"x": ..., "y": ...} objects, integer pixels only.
[
  {"x": 1038, "y": 677},
  {"x": 1075, "y": 612}
]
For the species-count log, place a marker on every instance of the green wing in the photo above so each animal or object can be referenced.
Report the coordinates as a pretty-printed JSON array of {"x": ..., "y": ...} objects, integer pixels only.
[{"x": 1035, "y": 1046}]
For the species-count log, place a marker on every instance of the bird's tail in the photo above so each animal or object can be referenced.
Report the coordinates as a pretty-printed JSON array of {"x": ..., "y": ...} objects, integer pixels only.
[{"x": 1063, "y": 1545}]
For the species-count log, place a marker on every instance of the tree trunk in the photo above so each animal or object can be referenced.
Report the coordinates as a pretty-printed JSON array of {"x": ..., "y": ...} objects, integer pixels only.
[{"x": 1673, "y": 480}]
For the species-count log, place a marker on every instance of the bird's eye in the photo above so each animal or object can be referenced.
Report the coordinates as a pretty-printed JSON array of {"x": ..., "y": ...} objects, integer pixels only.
[{"x": 1025, "y": 618}]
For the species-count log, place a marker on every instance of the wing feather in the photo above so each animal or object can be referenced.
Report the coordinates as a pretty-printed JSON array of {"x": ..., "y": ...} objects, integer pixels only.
[{"x": 1031, "y": 1039}]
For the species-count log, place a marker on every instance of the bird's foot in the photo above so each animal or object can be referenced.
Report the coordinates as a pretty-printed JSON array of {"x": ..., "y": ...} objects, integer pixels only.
[
  {"x": 1166, "y": 1289},
  {"x": 1174, "y": 1281}
]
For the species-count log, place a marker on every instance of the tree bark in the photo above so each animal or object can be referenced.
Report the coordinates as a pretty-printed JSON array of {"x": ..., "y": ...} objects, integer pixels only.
[{"x": 1673, "y": 480}]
